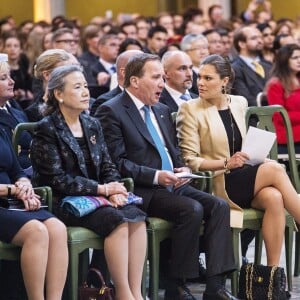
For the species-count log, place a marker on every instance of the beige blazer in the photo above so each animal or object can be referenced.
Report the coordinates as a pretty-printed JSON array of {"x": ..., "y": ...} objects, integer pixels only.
[{"x": 202, "y": 135}]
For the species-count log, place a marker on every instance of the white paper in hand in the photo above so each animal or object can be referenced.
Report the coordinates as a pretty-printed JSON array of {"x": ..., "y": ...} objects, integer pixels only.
[{"x": 257, "y": 144}]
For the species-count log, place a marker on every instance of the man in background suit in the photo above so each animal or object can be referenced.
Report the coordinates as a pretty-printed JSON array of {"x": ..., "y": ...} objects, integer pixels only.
[
  {"x": 141, "y": 140},
  {"x": 249, "y": 79},
  {"x": 108, "y": 47},
  {"x": 196, "y": 47},
  {"x": 121, "y": 63},
  {"x": 178, "y": 79}
]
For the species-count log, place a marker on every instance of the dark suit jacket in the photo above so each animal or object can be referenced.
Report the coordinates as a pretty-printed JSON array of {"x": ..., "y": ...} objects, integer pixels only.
[
  {"x": 88, "y": 60},
  {"x": 130, "y": 145},
  {"x": 247, "y": 83},
  {"x": 168, "y": 100},
  {"x": 58, "y": 161},
  {"x": 105, "y": 97}
]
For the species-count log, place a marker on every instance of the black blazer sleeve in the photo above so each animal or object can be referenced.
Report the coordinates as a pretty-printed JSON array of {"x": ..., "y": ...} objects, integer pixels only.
[{"x": 58, "y": 161}]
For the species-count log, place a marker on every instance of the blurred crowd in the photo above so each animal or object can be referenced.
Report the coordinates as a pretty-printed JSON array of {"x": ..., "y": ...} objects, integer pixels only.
[{"x": 97, "y": 44}]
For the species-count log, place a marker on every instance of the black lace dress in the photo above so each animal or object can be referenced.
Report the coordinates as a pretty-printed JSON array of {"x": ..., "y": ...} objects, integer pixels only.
[{"x": 105, "y": 219}]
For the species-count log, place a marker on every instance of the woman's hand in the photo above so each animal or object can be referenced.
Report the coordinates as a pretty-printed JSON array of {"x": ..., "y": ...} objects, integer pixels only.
[
  {"x": 114, "y": 187},
  {"x": 117, "y": 200},
  {"x": 25, "y": 192},
  {"x": 237, "y": 160}
]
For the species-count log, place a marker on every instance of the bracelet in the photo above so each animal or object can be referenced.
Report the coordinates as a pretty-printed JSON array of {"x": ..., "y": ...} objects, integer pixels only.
[
  {"x": 227, "y": 170},
  {"x": 106, "y": 190}
]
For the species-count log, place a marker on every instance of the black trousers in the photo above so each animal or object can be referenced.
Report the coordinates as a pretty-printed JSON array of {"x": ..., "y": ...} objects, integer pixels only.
[{"x": 187, "y": 207}]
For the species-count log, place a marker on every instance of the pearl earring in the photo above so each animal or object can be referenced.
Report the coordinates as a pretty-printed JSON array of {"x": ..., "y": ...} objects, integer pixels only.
[{"x": 60, "y": 101}]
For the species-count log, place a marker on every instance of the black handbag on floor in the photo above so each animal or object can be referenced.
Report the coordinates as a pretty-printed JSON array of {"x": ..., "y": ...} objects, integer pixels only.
[
  {"x": 100, "y": 291},
  {"x": 258, "y": 282}
]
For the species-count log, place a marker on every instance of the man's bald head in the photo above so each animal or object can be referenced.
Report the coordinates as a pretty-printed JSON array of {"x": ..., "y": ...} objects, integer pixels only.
[{"x": 122, "y": 61}]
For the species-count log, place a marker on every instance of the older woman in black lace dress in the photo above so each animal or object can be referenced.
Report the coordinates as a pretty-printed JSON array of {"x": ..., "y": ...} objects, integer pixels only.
[{"x": 70, "y": 155}]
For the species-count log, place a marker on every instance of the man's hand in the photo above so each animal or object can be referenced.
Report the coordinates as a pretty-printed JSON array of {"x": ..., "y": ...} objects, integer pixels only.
[
  {"x": 167, "y": 178},
  {"x": 102, "y": 78},
  {"x": 182, "y": 181}
]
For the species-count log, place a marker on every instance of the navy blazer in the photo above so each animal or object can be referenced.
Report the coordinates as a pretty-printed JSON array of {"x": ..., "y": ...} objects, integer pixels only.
[
  {"x": 168, "y": 100},
  {"x": 247, "y": 82},
  {"x": 58, "y": 161},
  {"x": 8, "y": 122},
  {"x": 130, "y": 144},
  {"x": 105, "y": 97}
]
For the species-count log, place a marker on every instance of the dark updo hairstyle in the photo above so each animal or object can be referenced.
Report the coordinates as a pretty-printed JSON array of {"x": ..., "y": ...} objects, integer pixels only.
[
  {"x": 57, "y": 82},
  {"x": 222, "y": 67}
]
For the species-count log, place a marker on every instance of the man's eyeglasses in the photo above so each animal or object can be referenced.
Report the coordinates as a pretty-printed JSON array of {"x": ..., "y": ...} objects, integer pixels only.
[{"x": 67, "y": 41}]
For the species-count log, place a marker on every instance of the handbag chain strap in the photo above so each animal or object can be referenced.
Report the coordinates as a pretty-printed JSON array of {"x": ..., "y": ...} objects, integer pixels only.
[
  {"x": 249, "y": 282},
  {"x": 249, "y": 277},
  {"x": 270, "y": 290}
]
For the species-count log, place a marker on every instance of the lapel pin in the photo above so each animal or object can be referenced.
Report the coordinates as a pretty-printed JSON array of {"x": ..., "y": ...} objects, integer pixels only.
[
  {"x": 93, "y": 139},
  {"x": 161, "y": 116}
]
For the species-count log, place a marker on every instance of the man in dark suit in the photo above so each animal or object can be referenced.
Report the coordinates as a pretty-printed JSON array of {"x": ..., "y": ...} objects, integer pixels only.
[
  {"x": 178, "y": 79},
  {"x": 101, "y": 72},
  {"x": 251, "y": 73},
  {"x": 141, "y": 140},
  {"x": 121, "y": 63}
]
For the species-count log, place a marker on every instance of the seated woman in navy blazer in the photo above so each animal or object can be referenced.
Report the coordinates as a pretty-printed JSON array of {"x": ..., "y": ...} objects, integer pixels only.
[{"x": 43, "y": 238}]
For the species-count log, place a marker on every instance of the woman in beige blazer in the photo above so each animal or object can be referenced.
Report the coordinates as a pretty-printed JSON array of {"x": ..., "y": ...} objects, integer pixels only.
[{"x": 210, "y": 131}]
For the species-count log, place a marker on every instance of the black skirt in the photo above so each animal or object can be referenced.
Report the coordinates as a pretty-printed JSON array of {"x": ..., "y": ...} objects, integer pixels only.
[
  {"x": 239, "y": 185},
  {"x": 104, "y": 219}
]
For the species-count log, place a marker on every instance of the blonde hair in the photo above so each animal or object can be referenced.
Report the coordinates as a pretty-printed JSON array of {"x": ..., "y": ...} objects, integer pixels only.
[
  {"x": 4, "y": 66},
  {"x": 48, "y": 60}
]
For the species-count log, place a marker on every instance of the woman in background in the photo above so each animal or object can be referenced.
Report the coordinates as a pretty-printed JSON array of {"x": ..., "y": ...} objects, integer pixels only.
[{"x": 283, "y": 89}]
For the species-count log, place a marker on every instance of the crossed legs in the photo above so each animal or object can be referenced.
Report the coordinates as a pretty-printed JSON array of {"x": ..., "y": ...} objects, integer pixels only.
[
  {"x": 274, "y": 192},
  {"x": 125, "y": 252},
  {"x": 44, "y": 256}
]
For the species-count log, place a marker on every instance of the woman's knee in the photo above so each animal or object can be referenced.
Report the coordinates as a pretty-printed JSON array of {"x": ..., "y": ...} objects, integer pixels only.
[
  {"x": 33, "y": 232},
  {"x": 56, "y": 229},
  {"x": 273, "y": 168},
  {"x": 273, "y": 201}
]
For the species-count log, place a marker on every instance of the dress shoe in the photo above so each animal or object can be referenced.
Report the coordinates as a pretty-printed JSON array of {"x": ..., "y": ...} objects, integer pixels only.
[
  {"x": 181, "y": 292},
  {"x": 221, "y": 294}
]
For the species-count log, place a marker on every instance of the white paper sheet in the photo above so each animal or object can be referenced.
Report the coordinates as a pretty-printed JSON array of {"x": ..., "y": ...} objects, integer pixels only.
[
  {"x": 257, "y": 144},
  {"x": 190, "y": 175}
]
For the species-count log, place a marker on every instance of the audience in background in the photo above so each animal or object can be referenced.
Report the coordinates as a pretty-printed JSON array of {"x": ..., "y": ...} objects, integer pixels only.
[
  {"x": 251, "y": 73},
  {"x": 19, "y": 70},
  {"x": 284, "y": 89},
  {"x": 196, "y": 46},
  {"x": 157, "y": 39}
]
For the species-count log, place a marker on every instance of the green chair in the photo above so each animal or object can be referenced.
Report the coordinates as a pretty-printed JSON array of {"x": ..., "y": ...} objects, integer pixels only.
[
  {"x": 158, "y": 230},
  {"x": 265, "y": 121},
  {"x": 80, "y": 239}
]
